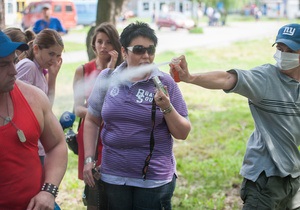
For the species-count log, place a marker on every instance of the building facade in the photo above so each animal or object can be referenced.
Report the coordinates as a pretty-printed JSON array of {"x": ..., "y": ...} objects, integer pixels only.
[
  {"x": 152, "y": 8},
  {"x": 281, "y": 8}
]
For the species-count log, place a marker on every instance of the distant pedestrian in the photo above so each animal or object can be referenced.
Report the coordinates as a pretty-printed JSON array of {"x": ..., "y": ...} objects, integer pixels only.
[
  {"x": 210, "y": 14},
  {"x": 48, "y": 22}
]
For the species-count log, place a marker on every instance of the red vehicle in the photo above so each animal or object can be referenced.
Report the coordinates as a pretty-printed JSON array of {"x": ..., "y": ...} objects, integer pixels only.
[
  {"x": 65, "y": 11},
  {"x": 174, "y": 20}
]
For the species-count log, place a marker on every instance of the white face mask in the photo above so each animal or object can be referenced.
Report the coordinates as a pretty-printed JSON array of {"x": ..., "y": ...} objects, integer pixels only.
[{"x": 286, "y": 61}]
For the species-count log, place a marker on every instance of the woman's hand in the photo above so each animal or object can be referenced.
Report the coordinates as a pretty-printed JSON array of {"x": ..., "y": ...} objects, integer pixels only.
[
  {"x": 113, "y": 59},
  {"x": 161, "y": 99},
  {"x": 54, "y": 69},
  {"x": 88, "y": 175}
]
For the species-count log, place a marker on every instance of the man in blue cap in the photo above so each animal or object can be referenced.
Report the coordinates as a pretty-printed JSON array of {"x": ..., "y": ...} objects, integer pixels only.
[
  {"x": 25, "y": 117},
  {"x": 271, "y": 166}
]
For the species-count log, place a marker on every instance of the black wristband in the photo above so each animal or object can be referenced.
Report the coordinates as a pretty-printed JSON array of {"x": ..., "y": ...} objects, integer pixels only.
[{"x": 50, "y": 188}]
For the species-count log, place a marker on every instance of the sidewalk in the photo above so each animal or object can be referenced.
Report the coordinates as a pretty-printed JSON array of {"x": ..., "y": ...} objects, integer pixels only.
[{"x": 178, "y": 41}]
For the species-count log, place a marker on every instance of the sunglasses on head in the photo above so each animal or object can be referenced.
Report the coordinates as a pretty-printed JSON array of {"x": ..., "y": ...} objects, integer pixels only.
[{"x": 140, "y": 50}]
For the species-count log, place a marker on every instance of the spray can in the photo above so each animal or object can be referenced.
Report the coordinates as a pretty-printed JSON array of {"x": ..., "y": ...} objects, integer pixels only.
[{"x": 175, "y": 73}]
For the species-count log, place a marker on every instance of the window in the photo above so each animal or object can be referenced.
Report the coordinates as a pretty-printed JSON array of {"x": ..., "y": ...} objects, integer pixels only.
[
  {"x": 10, "y": 8},
  {"x": 57, "y": 8},
  {"x": 69, "y": 8},
  {"x": 146, "y": 6}
]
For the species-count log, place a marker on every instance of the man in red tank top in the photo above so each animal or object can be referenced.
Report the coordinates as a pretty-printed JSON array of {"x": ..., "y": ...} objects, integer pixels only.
[{"x": 25, "y": 117}]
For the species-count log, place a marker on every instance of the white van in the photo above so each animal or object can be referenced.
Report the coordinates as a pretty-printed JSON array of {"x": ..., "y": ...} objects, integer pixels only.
[{"x": 86, "y": 11}]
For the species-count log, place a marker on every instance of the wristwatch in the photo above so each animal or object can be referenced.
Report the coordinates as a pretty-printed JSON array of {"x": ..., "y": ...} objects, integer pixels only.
[{"x": 88, "y": 160}]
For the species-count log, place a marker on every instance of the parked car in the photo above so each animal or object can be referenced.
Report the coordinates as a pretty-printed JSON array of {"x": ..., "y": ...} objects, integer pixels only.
[
  {"x": 174, "y": 20},
  {"x": 64, "y": 10},
  {"x": 86, "y": 12}
]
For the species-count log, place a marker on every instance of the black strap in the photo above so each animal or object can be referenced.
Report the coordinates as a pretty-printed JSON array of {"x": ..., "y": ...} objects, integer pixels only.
[
  {"x": 152, "y": 142},
  {"x": 153, "y": 112}
]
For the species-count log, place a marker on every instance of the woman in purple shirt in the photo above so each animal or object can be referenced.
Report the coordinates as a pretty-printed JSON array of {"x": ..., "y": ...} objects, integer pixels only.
[{"x": 138, "y": 165}]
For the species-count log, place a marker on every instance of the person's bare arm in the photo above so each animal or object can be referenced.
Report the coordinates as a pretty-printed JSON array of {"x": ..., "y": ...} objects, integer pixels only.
[
  {"x": 53, "y": 139},
  {"x": 90, "y": 138},
  {"x": 210, "y": 80}
]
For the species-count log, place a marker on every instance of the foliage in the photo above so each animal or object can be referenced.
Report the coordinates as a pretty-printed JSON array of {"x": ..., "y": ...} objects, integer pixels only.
[
  {"x": 112, "y": 9},
  {"x": 208, "y": 162},
  {"x": 228, "y": 4}
]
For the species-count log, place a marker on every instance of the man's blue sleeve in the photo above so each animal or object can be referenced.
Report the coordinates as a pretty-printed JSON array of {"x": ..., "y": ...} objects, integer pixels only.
[{"x": 37, "y": 27}]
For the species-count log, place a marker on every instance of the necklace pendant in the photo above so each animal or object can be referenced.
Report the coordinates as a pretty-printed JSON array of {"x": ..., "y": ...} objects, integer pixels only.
[{"x": 21, "y": 136}]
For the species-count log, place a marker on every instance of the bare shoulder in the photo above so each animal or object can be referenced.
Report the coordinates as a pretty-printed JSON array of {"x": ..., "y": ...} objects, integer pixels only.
[
  {"x": 78, "y": 74},
  {"x": 79, "y": 71},
  {"x": 34, "y": 96}
]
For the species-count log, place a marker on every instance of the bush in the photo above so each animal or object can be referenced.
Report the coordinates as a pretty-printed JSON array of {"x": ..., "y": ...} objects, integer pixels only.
[{"x": 196, "y": 30}]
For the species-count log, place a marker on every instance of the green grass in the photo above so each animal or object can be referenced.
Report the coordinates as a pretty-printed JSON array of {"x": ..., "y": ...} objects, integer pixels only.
[
  {"x": 74, "y": 46},
  {"x": 208, "y": 162},
  {"x": 197, "y": 30}
]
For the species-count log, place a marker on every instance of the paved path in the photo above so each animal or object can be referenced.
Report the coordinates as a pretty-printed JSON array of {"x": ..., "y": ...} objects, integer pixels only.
[{"x": 180, "y": 40}]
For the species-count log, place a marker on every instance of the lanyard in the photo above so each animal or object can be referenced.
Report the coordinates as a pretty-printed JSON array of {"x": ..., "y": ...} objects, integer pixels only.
[{"x": 152, "y": 142}]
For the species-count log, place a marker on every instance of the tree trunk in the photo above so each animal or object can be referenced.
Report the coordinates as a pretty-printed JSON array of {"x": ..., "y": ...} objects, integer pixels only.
[
  {"x": 2, "y": 14},
  {"x": 107, "y": 11}
]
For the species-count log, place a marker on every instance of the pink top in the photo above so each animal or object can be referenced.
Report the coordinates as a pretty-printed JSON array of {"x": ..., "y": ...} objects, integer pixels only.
[{"x": 30, "y": 72}]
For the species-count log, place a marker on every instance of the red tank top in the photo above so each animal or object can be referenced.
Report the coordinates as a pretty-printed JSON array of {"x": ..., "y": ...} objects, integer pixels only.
[
  {"x": 20, "y": 166},
  {"x": 90, "y": 75}
]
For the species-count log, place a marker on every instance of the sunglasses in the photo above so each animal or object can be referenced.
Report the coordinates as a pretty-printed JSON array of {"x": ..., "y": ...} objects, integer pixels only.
[{"x": 140, "y": 50}]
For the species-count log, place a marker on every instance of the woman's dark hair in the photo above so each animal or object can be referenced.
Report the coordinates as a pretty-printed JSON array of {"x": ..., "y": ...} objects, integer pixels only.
[
  {"x": 44, "y": 40},
  {"x": 134, "y": 30},
  {"x": 113, "y": 35}
]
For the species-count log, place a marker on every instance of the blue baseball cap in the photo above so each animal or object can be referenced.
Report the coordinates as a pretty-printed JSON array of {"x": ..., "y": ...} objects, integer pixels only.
[
  {"x": 7, "y": 47},
  {"x": 290, "y": 36}
]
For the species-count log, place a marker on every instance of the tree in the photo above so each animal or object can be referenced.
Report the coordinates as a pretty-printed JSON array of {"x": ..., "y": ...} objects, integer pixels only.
[
  {"x": 228, "y": 4},
  {"x": 107, "y": 11},
  {"x": 2, "y": 14}
]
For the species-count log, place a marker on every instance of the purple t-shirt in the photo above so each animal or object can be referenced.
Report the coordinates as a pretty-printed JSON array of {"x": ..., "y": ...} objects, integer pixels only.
[{"x": 126, "y": 113}]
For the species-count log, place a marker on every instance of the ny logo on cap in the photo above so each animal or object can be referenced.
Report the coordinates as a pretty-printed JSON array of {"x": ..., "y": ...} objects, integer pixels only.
[{"x": 288, "y": 31}]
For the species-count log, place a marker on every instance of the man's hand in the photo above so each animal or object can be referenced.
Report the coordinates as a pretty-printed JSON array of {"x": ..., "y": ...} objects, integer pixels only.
[{"x": 42, "y": 201}]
